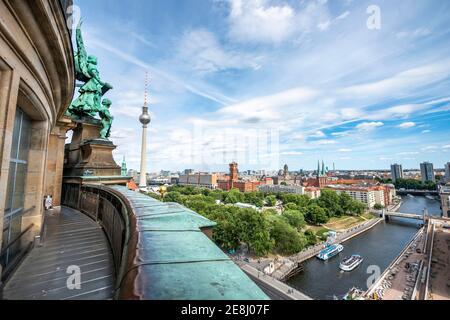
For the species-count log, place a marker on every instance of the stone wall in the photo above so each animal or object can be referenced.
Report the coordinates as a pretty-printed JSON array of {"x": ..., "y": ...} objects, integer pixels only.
[{"x": 36, "y": 74}]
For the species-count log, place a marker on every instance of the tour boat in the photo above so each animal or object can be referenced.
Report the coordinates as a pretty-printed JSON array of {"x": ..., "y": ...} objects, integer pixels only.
[
  {"x": 330, "y": 251},
  {"x": 350, "y": 263},
  {"x": 429, "y": 197}
]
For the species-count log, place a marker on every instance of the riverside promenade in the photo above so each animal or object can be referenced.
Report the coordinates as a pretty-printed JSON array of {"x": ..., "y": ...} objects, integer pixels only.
[
  {"x": 400, "y": 279},
  {"x": 293, "y": 261},
  {"x": 273, "y": 287}
]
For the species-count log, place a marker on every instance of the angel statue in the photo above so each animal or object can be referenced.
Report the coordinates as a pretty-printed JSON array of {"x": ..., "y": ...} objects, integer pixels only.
[{"x": 89, "y": 102}]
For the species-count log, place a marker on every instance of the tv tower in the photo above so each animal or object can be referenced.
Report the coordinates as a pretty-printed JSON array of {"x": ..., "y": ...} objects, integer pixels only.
[{"x": 145, "y": 119}]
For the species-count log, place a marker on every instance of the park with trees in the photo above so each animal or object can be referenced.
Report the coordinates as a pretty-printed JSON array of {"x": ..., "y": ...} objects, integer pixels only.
[{"x": 287, "y": 231}]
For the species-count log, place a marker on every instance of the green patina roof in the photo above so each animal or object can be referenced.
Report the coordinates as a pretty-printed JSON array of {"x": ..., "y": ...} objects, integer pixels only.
[{"x": 179, "y": 261}]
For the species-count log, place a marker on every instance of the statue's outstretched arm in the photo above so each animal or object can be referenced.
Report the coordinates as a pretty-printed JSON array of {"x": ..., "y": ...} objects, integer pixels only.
[{"x": 81, "y": 56}]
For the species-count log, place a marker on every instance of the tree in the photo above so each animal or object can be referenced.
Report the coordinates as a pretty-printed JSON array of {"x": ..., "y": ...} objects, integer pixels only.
[
  {"x": 301, "y": 201},
  {"x": 271, "y": 212},
  {"x": 254, "y": 198},
  {"x": 346, "y": 202},
  {"x": 173, "y": 196},
  {"x": 329, "y": 200},
  {"x": 287, "y": 239},
  {"x": 413, "y": 184},
  {"x": 254, "y": 231},
  {"x": 378, "y": 206},
  {"x": 271, "y": 201},
  {"x": 316, "y": 214},
  {"x": 295, "y": 218},
  {"x": 233, "y": 196},
  {"x": 226, "y": 233},
  {"x": 290, "y": 206},
  {"x": 154, "y": 196},
  {"x": 311, "y": 238}
]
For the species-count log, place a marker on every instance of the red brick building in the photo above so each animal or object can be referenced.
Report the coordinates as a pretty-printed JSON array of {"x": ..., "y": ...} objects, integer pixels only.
[{"x": 232, "y": 181}]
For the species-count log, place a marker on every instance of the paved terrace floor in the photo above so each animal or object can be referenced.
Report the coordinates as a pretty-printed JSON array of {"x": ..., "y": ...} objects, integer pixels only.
[{"x": 71, "y": 239}]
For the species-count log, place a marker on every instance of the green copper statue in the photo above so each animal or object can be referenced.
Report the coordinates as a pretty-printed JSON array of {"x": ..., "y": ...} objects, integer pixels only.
[{"x": 89, "y": 103}]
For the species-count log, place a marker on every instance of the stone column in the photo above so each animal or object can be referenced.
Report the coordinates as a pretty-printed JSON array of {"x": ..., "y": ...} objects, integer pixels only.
[
  {"x": 9, "y": 90},
  {"x": 55, "y": 160},
  {"x": 35, "y": 180}
]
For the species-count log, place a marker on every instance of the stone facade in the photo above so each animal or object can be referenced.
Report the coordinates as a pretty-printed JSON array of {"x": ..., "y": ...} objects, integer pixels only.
[{"x": 36, "y": 79}]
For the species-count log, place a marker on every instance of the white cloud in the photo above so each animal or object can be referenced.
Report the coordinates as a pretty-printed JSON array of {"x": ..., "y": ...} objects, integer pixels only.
[
  {"x": 317, "y": 134},
  {"x": 291, "y": 153},
  {"x": 343, "y": 15},
  {"x": 366, "y": 126},
  {"x": 160, "y": 73},
  {"x": 426, "y": 131},
  {"x": 417, "y": 33},
  {"x": 407, "y": 125},
  {"x": 269, "y": 107},
  {"x": 200, "y": 50},
  {"x": 341, "y": 134},
  {"x": 263, "y": 22},
  {"x": 324, "y": 142},
  {"x": 409, "y": 79},
  {"x": 401, "y": 111},
  {"x": 345, "y": 150},
  {"x": 407, "y": 153},
  {"x": 324, "y": 25}
]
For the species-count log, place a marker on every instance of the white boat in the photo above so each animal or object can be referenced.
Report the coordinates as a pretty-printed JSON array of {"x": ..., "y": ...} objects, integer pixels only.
[
  {"x": 429, "y": 197},
  {"x": 330, "y": 251},
  {"x": 410, "y": 195},
  {"x": 351, "y": 263}
]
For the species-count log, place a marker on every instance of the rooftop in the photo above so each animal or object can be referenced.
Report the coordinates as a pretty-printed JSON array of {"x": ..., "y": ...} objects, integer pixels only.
[{"x": 175, "y": 260}]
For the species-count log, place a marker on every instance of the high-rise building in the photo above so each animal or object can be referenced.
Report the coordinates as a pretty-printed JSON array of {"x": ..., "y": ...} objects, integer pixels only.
[
  {"x": 396, "y": 172},
  {"x": 145, "y": 120},
  {"x": 427, "y": 172},
  {"x": 447, "y": 172}
]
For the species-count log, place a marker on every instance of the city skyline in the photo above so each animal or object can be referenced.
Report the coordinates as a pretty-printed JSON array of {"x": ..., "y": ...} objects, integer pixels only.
[{"x": 331, "y": 88}]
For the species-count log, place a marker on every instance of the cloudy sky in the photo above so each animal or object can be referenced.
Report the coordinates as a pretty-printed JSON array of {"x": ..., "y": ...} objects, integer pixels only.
[{"x": 268, "y": 82}]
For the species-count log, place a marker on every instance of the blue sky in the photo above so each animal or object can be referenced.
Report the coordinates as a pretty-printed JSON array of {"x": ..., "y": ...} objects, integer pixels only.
[{"x": 268, "y": 82}]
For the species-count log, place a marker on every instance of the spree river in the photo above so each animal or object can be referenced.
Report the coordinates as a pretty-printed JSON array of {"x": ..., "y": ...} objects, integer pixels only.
[{"x": 379, "y": 246}]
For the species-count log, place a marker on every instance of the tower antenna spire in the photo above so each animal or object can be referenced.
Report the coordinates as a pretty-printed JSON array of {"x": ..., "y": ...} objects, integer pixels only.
[{"x": 146, "y": 89}]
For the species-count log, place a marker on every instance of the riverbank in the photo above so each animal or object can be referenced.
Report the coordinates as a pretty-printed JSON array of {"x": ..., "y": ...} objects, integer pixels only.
[
  {"x": 439, "y": 272},
  {"x": 274, "y": 288},
  {"x": 379, "y": 246},
  {"x": 399, "y": 280},
  {"x": 293, "y": 262}
]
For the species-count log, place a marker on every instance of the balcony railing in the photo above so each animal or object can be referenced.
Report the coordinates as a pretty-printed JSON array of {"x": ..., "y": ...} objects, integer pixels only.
[
  {"x": 160, "y": 250},
  {"x": 107, "y": 208}
]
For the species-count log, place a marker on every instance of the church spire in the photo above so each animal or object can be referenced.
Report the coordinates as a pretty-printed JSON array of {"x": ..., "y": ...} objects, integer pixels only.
[{"x": 124, "y": 170}]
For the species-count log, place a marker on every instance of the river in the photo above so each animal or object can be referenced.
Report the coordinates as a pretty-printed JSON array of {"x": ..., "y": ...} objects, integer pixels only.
[{"x": 379, "y": 247}]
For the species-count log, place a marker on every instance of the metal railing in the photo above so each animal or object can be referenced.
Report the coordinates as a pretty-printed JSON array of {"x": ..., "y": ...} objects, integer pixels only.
[
  {"x": 10, "y": 267},
  {"x": 106, "y": 207}
]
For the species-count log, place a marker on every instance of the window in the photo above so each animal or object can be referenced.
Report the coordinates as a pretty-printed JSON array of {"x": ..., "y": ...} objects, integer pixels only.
[{"x": 15, "y": 193}]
